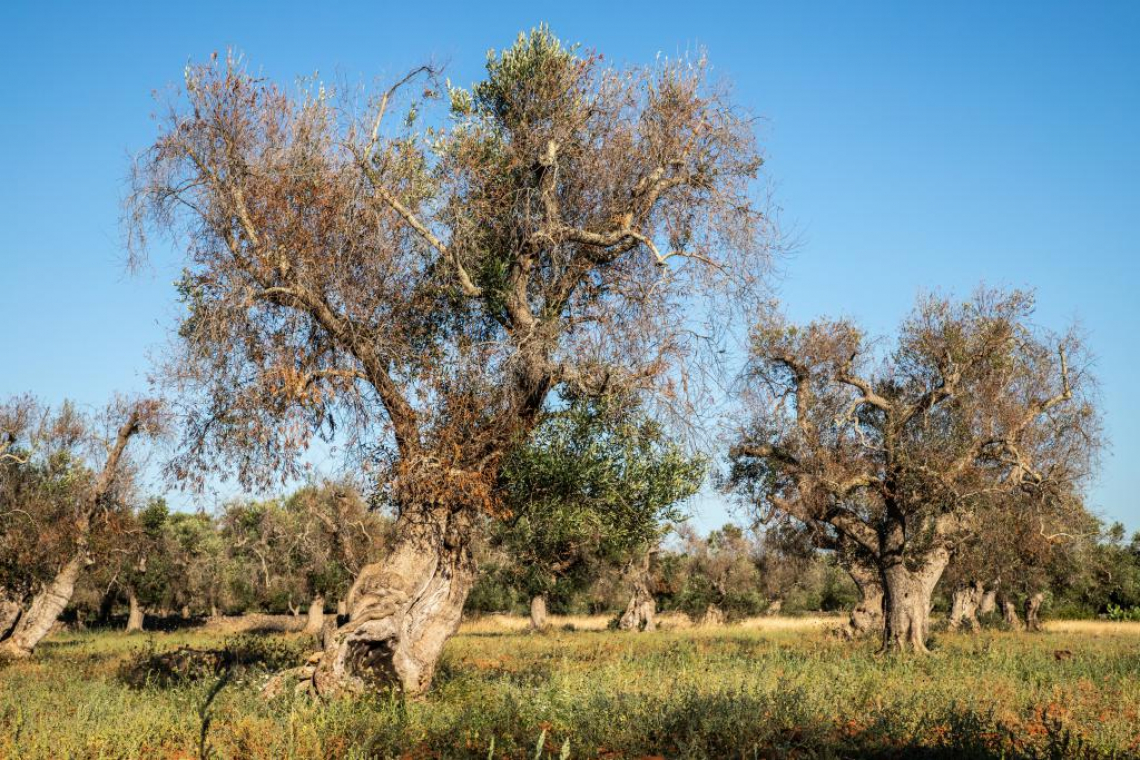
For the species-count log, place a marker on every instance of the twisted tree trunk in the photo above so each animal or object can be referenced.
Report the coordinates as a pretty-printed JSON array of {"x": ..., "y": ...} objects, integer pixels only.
[
  {"x": 964, "y": 604},
  {"x": 315, "y": 621},
  {"x": 402, "y": 610},
  {"x": 713, "y": 617},
  {"x": 135, "y": 618},
  {"x": 867, "y": 615},
  {"x": 45, "y": 609},
  {"x": 1033, "y": 611},
  {"x": 988, "y": 602},
  {"x": 907, "y": 601},
  {"x": 538, "y": 620},
  {"x": 641, "y": 611},
  {"x": 1009, "y": 613}
]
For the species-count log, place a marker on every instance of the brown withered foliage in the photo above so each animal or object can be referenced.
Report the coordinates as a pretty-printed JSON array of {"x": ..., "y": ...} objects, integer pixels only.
[
  {"x": 422, "y": 284},
  {"x": 975, "y": 410}
]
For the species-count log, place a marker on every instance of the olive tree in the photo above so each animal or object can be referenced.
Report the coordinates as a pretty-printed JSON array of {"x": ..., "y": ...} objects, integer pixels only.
[
  {"x": 596, "y": 483},
  {"x": 899, "y": 452},
  {"x": 63, "y": 475},
  {"x": 423, "y": 280}
]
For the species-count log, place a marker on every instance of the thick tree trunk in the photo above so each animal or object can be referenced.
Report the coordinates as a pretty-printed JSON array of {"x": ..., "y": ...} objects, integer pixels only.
[
  {"x": 867, "y": 616},
  {"x": 185, "y": 612},
  {"x": 538, "y": 620},
  {"x": 640, "y": 613},
  {"x": 1033, "y": 611},
  {"x": 45, "y": 609},
  {"x": 1009, "y": 613},
  {"x": 9, "y": 615},
  {"x": 906, "y": 601},
  {"x": 135, "y": 618},
  {"x": 964, "y": 604},
  {"x": 402, "y": 610},
  {"x": 988, "y": 603},
  {"x": 315, "y": 622},
  {"x": 341, "y": 608}
]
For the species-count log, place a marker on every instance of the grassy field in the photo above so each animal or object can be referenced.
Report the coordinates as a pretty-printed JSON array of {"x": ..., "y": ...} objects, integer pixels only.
[{"x": 765, "y": 688}]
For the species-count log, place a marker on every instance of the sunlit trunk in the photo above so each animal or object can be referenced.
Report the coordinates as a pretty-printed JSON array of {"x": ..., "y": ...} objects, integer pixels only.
[
  {"x": 1009, "y": 613},
  {"x": 640, "y": 614},
  {"x": 45, "y": 609},
  {"x": 867, "y": 615},
  {"x": 964, "y": 604},
  {"x": 315, "y": 621},
  {"x": 135, "y": 618},
  {"x": 538, "y": 619},
  {"x": 402, "y": 610},
  {"x": 907, "y": 599},
  {"x": 1033, "y": 611},
  {"x": 713, "y": 616},
  {"x": 988, "y": 603}
]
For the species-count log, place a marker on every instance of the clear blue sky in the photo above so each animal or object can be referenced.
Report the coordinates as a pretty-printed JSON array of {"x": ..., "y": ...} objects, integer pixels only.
[{"x": 915, "y": 146}]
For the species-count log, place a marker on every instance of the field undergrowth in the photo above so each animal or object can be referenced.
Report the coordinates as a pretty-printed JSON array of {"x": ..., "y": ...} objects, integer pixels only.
[{"x": 749, "y": 691}]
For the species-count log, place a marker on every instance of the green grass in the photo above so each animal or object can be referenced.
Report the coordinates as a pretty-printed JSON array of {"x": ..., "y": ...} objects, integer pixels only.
[{"x": 734, "y": 692}]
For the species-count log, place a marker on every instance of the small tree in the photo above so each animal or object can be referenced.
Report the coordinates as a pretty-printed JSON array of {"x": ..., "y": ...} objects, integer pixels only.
[
  {"x": 596, "y": 484},
  {"x": 62, "y": 476},
  {"x": 425, "y": 285},
  {"x": 897, "y": 454}
]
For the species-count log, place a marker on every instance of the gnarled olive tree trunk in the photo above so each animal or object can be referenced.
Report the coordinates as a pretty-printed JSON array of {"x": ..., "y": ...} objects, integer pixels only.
[
  {"x": 45, "y": 609},
  {"x": 402, "y": 610},
  {"x": 964, "y": 604},
  {"x": 315, "y": 621},
  {"x": 907, "y": 599},
  {"x": 1009, "y": 613},
  {"x": 1033, "y": 611},
  {"x": 538, "y": 619},
  {"x": 640, "y": 613},
  {"x": 988, "y": 602},
  {"x": 135, "y": 617},
  {"x": 867, "y": 615},
  {"x": 713, "y": 616}
]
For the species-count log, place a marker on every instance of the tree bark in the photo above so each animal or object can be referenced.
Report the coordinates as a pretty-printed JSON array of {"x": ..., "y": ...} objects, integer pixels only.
[
  {"x": 401, "y": 611},
  {"x": 315, "y": 622},
  {"x": 906, "y": 601},
  {"x": 1033, "y": 611},
  {"x": 867, "y": 615},
  {"x": 964, "y": 605},
  {"x": 988, "y": 602},
  {"x": 538, "y": 620},
  {"x": 641, "y": 611},
  {"x": 45, "y": 609},
  {"x": 1009, "y": 613},
  {"x": 136, "y": 618},
  {"x": 341, "y": 608},
  {"x": 9, "y": 615}
]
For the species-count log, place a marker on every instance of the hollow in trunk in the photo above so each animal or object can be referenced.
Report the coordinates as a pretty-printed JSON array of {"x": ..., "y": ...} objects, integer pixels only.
[
  {"x": 401, "y": 611},
  {"x": 867, "y": 615}
]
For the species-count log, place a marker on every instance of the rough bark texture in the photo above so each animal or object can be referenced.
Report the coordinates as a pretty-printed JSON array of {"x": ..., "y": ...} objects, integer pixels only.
[
  {"x": 45, "y": 609},
  {"x": 774, "y": 607},
  {"x": 1009, "y": 613},
  {"x": 988, "y": 603},
  {"x": 315, "y": 622},
  {"x": 135, "y": 618},
  {"x": 640, "y": 613},
  {"x": 906, "y": 601},
  {"x": 964, "y": 605},
  {"x": 1033, "y": 611},
  {"x": 538, "y": 620},
  {"x": 401, "y": 611},
  {"x": 9, "y": 615},
  {"x": 867, "y": 616}
]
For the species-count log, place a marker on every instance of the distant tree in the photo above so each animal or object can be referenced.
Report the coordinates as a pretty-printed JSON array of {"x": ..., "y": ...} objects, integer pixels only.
[
  {"x": 596, "y": 485},
  {"x": 896, "y": 453},
  {"x": 427, "y": 284},
  {"x": 722, "y": 580},
  {"x": 63, "y": 476}
]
